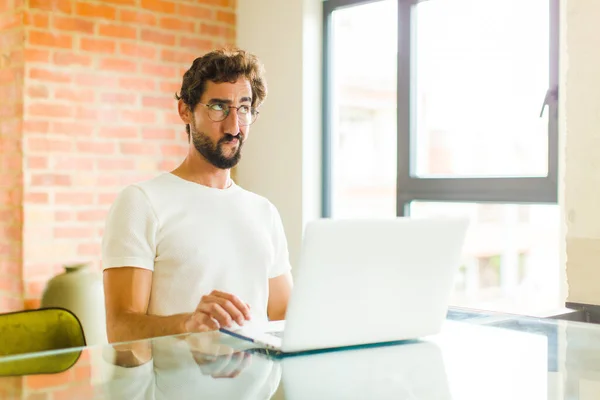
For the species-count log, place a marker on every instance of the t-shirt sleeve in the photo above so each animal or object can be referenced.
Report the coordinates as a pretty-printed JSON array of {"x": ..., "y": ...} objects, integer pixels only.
[
  {"x": 281, "y": 263},
  {"x": 130, "y": 231}
]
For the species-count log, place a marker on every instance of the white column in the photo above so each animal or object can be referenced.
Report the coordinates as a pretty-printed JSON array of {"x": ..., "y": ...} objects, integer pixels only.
[{"x": 282, "y": 158}]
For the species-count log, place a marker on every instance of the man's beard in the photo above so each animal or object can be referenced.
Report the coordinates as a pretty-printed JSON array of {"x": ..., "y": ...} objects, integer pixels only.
[{"x": 215, "y": 153}]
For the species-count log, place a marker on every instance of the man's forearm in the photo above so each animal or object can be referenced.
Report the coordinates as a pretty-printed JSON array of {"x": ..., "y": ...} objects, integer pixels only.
[{"x": 133, "y": 326}]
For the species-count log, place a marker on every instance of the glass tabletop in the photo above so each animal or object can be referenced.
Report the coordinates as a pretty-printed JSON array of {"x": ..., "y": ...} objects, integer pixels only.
[{"x": 478, "y": 355}]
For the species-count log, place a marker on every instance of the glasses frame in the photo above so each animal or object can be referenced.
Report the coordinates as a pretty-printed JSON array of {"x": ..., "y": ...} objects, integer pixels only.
[{"x": 253, "y": 112}]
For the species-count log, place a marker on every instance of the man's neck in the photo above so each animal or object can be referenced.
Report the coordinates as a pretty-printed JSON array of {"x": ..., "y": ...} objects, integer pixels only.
[{"x": 200, "y": 171}]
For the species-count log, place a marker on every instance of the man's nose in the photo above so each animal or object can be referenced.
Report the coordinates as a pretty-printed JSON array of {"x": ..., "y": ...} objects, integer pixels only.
[{"x": 232, "y": 122}]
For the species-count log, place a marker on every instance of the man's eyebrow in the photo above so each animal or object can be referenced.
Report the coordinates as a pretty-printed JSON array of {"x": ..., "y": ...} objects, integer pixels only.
[{"x": 227, "y": 101}]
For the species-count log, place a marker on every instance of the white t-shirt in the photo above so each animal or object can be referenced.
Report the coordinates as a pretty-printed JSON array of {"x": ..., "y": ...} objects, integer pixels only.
[{"x": 196, "y": 239}]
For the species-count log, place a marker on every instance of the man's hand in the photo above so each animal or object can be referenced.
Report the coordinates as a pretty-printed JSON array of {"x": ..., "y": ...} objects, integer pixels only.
[{"x": 217, "y": 310}]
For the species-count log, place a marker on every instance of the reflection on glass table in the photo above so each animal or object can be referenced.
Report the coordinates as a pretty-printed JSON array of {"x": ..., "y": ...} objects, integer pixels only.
[{"x": 477, "y": 356}]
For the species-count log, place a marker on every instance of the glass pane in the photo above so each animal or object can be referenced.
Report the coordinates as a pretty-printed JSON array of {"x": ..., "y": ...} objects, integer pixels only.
[
  {"x": 363, "y": 73},
  {"x": 511, "y": 255},
  {"x": 481, "y": 75}
]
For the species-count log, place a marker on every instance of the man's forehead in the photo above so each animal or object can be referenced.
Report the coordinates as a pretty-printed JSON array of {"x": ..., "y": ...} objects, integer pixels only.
[{"x": 240, "y": 88}]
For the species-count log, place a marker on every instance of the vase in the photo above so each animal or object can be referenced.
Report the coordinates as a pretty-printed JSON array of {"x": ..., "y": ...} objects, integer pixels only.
[{"x": 81, "y": 291}]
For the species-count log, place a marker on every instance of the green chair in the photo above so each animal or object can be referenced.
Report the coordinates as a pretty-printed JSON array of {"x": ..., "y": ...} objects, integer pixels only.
[{"x": 25, "y": 333}]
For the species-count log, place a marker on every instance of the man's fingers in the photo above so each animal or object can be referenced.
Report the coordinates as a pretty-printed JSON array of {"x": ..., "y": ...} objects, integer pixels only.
[
  {"x": 202, "y": 322},
  {"x": 240, "y": 305},
  {"x": 216, "y": 311}
]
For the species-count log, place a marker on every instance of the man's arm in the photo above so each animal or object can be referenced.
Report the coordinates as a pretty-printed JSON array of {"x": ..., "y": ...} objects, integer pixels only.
[
  {"x": 280, "y": 288},
  {"x": 127, "y": 294}
]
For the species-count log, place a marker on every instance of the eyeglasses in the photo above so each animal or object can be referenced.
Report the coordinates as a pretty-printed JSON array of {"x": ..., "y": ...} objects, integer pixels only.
[{"x": 218, "y": 112}]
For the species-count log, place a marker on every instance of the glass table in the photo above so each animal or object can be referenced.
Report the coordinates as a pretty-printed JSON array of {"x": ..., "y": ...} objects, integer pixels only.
[{"x": 478, "y": 355}]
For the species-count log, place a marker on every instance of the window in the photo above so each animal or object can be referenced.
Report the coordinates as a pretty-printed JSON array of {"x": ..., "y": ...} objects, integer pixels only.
[{"x": 449, "y": 107}]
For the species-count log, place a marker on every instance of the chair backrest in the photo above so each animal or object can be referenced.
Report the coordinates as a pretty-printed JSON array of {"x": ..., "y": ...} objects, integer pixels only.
[{"x": 40, "y": 330}]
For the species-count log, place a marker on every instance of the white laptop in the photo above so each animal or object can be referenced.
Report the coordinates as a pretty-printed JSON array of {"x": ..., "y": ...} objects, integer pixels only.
[{"x": 366, "y": 281}]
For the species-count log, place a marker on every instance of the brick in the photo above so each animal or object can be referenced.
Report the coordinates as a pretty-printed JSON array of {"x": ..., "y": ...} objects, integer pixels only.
[
  {"x": 108, "y": 181},
  {"x": 122, "y": 2},
  {"x": 83, "y": 390},
  {"x": 118, "y": 31},
  {"x": 140, "y": 84},
  {"x": 34, "y": 288},
  {"x": 10, "y": 21},
  {"x": 73, "y": 24},
  {"x": 227, "y": 17},
  {"x": 217, "y": 30},
  {"x": 159, "y": 102},
  {"x": 74, "y": 164},
  {"x": 39, "y": 162},
  {"x": 138, "y": 117},
  {"x": 74, "y": 95},
  {"x": 89, "y": 249},
  {"x": 38, "y": 92},
  {"x": 218, "y": 3},
  {"x": 62, "y": 216},
  {"x": 115, "y": 164},
  {"x": 36, "y": 19},
  {"x": 158, "y": 134},
  {"x": 95, "y": 147},
  {"x": 71, "y": 128},
  {"x": 177, "y": 24},
  {"x": 50, "y": 180},
  {"x": 35, "y": 126},
  {"x": 158, "y": 70},
  {"x": 194, "y": 11},
  {"x": 86, "y": 9},
  {"x": 138, "y": 148},
  {"x": 34, "y": 304},
  {"x": 71, "y": 58},
  {"x": 49, "y": 110},
  {"x": 106, "y": 198},
  {"x": 17, "y": 56},
  {"x": 137, "y": 50},
  {"x": 73, "y": 232},
  {"x": 98, "y": 45},
  {"x": 173, "y": 150},
  {"x": 10, "y": 284},
  {"x": 36, "y": 55},
  {"x": 92, "y": 215},
  {"x": 119, "y": 65},
  {"x": 172, "y": 118},
  {"x": 63, "y": 6},
  {"x": 49, "y": 76},
  {"x": 157, "y": 37},
  {"x": 159, "y": 6},
  {"x": 58, "y": 40},
  {"x": 86, "y": 113},
  {"x": 137, "y": 17},
  {"x": 119, "y": 98},
  {"x": 200, "y": 45},
  {"x": 170, "y": 88},
  {"x": 119, "y": 132},
  {"x": 74, "y": 198},
  {"x": 36, "y": 198},
  {"x": 96, "y": 80},
  {"x": 179, "y": 57},
  {"x": 43, "y": 144}
]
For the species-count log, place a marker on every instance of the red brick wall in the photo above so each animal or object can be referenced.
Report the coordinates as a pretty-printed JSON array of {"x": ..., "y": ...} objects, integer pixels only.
[
  {"x": 11, "y": 171},
  {"x": 99, "y": 113}
]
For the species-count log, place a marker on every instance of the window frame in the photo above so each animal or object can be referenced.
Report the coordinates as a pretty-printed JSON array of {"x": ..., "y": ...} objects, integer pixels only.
[{"x": 513, "y": 190}]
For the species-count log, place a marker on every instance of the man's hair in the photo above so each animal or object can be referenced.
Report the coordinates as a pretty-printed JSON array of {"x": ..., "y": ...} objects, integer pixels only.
[{"x": 219, "y": 66}]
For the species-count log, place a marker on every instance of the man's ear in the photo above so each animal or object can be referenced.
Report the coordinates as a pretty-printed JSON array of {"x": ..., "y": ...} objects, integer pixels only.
[{"x": 184, "y": 112}]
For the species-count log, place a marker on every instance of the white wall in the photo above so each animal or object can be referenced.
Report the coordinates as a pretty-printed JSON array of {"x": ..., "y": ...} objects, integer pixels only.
[
  {"x": 282, "y": 156},
  {"x": 580, "y": 125}
]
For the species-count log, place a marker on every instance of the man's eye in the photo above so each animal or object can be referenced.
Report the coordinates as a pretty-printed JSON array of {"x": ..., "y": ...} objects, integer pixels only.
[
  {"x": 244, "y": 109},
  {"x": 217, "y": 107}
]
